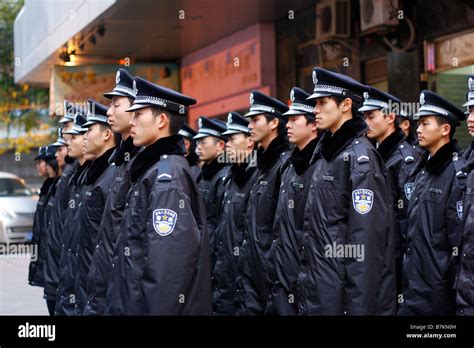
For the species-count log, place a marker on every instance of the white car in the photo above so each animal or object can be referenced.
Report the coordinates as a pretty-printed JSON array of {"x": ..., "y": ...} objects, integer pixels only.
[{"x": 17, "y": 209}]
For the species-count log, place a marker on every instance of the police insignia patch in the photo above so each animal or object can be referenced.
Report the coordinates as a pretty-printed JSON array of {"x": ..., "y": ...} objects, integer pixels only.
[
  {"x": 229, "y": 118},
  {"x": 200, "y": 123},
  {"x": 315, "y": 78},
  {"x": 408, "y": 188},
  {"x": 459, "y": 209},
  {"x": 362, "y": 200},
  {"x": 366, "y": 95},
  {"x": 164, "y": 221},
  {"x": 117, "y": 77},
  {"x": 135, "y": 90},
  {"x": 471, "y": 84},
  {"x": 292, "y": 96},
  {"x": 251, "y": 99}
]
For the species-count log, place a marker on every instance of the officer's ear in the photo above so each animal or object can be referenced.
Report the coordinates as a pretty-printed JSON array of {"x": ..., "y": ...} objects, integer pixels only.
[
  {"x": 391, "y": 118},
  {"x": 445, "y": 129},
  {"x": 162, "y": 120},
  {"x": 346, "y": 105}
]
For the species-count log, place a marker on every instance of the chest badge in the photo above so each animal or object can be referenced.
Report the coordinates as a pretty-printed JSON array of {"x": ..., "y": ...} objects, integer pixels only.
[{"x": 408, "y": 187}]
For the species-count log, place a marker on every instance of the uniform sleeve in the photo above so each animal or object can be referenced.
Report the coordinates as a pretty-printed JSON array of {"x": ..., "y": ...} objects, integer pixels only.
[
  {"x": 172, "y": 247},
  {"x": 454, "y": 211},
  {"x": 368, "y": 220}
]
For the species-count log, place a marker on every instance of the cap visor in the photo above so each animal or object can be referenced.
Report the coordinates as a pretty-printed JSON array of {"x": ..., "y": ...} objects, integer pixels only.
[
  {"x": 319, "y": 95},
  {"x": 72, "y": 132},
  {"x": 230, "y": 132},
  {"x": 88, "y": 124},
  {"x": 57, "y": 143},
  {"x": 201, "y": 135},
  {"x": 296, "y": 112},
  {"x": 65, "y": 120},
  {"x": 112, "y": 94},
  {"x": 253, "y": 113},
  {"x": 40, "y": 157},
  {"x": 469, "y": 103},
  {"x": 137, "y": 107},
  {"x": 365, "y": 108}
]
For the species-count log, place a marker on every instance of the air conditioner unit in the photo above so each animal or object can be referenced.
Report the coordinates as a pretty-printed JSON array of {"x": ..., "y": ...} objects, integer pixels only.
[
  {"x": 333, "y": 20},
  {"x": 377, "y": 14}
]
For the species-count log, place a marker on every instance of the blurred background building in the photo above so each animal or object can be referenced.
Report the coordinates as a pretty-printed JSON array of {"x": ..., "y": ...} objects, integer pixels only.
[{"x": 219, "y": 50}]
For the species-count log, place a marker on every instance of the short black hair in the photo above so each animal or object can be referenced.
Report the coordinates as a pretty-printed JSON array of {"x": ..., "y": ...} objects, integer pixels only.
[
  {"x": 281, "y": 124},
  {"x": 440, "y": 120},
  {"x": 176, "y": 121},
  {"x": 355, "y": 104}
]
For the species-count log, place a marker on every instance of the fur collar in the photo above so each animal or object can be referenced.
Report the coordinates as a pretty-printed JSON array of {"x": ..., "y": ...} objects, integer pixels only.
[
  {"x": 302, "y": 159},
  {"x": 74, "y": 180},
  {"x": 331, "y": 145},
  {"x": 267, "y": 158},
  {"x": 208, "y": 171},
  {"x": 241, "y": 172},
  {"x": 390, "y": 143},
  {"x": 46, "y": 185},
  {"x": 125, "y": 151},
  {"x": 172, "y": 145},
  {"x": 440, "y": 160},
  {"x": 97, "y": 167}
]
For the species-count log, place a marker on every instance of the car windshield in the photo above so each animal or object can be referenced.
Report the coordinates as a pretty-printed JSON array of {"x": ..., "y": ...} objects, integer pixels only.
[{"x": 11, "y": 187}]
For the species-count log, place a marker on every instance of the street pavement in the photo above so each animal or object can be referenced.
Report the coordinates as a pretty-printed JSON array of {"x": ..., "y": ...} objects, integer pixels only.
[{"x": 16, "y": 296}]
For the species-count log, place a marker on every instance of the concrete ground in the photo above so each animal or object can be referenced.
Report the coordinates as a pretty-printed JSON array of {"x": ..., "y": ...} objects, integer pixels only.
[{"x": 16, "y": 296}]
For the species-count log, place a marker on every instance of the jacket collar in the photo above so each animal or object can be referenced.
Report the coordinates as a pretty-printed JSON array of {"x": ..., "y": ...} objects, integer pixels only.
[
  {"x": 125, "y": 152},
  {"x": 97, "y": 167},
  {"x": 301, "y": 159},
  {"x": 241, "y": 172},
  {"x": 440, "y": 160},
  {"x": 74, "y": 179},
  {"x": 172, "y": 145},
  {"x": 208, "y": 171},
  {"x": 46, "y": 185},
  {"x": 331, "y": 145},
  {"x": 390, "y": 143},
  {"x": 268, "y": 157}
]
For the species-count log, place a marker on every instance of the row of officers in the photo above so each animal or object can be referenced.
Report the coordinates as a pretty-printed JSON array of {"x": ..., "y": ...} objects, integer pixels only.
[{"x": 340, "y": 204}]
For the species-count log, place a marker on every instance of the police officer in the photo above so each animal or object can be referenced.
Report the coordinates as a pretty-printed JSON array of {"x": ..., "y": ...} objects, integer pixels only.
[
  {"x": 61, "y": 236},
  {"x": 35, "y": 274},
  {"x": 99, "y": 144},
  {"x": 161, "y": 262},
  {"x": 345, "y": 233},
  {"x": 294, "y": 187},
  {"x": 65, "y": 297},
  {"x": 434, "y": 212},
  {"x": 470, "y": 121},
  {"x": 58, "y": 205},
  {"x": 210, "y": 146},
  {"x": 465, "y": 285},
  {"x": 193, "y": 159},
  {"x": 122, "y": 98},
  {"x": 267, "y": 127},
  {"x": 229, "y": 234},
  {"x": 399, "y": 158}
]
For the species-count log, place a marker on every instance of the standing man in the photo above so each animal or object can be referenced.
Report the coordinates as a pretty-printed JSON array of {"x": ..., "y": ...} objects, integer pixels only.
[
  {"x": 465, "y": 285},
  {"x": 267, "y": 127},
  {"x": 161, "y": 261},
  {"x": 399, "y": 158},
  {"x": 58, "y": 205},
  {"x": 434, "y": 212},
  {"x": 289, "y": 216},
  {"x": 99, "y": 143},
  {"x": 345, "y": 229},
  {"x": 229, "y": 234},
  {"x": 122, "y": 98},
  {"x": 193, "y": 159},
  {"x": 65, "y": 296},
  {"x": 210, "y": 146},
  {"x": 35, "y": 276}
]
